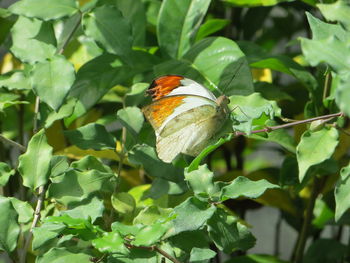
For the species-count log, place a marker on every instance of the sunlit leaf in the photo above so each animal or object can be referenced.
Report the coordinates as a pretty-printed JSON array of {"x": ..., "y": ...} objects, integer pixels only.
[
  {"x": 342, "y": 193},
  {"x": 61, "y": 255},
  {"x": 110, "y": 242},
  {"x": 5, "y": 173}
]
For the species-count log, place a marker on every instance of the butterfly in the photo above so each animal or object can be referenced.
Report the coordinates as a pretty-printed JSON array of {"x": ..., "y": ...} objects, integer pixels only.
[{"x": 184, "y": 114}]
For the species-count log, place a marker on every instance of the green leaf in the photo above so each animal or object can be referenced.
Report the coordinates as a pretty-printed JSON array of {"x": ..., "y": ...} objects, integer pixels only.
[
  {"x": 211, "y": 26},
  {"x": 134, "y": 11},
  {"x": 178, "y": 23},
  {"x": 10, "y": 231},
  {"x": 34, "y": 164},
  {"x": 107, "y": 26},
  {"x": 62, "y": 255},
  {"x": 89, "y": 162},
  {"x": 91, "y": 136},
  {"x": 132, "y": 119},
  {"x": 55, "y": 76},
  {"x": 65, "y": 110},
  {"x": 24, "y": 210},
  {"x": 146, "y": 156},
  {"x": 32, "y": 40},
  {"x": 110, "y": 242},
  {"x": 228, "y": 234},
  {"x": 15, "y": 80},
  {"x": 252, "y": 111},
  {"x": 325, "y": 250},
  {"x": 136, "y": 255},
  {"x": 58, "y": 165},
  {"x": 125, "y": 230},
  {"x": 44, "y": 9},
  {"x": 337, "y": 11},
  {"x": 92, "y": 209},
  {"x": 242, "y": 186},
  {"x": 123, "y": 203},
  {"x": 190, "y": 215},
  {"x": 251, "y": 3},
  {"x": 45, "y": 235},
  {"x": 342, "y": 94},
  {"x": 97, "y": 76},
  {"x": 75, "y": 186},
  {"x": 200, "y": 254},
  {"x": 201, "y": 181},
  {"x": 150, "y": 235},
  {"x": 342, "y": 193},
  {"x": 314, "y": 148},
  {"x": 9, "y": 99},
  {"x": 223, "y": 64},
  {"x": 5, "y": 173},
  {"x": 136, "y": 95},
  {"x": 150, "y": 214}
]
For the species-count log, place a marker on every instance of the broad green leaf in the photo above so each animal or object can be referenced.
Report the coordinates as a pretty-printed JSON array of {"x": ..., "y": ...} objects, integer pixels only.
[
  {"x": 149, "y": 235},
  {"x": 55, "y": 76},
  {"x": 223, "y": 64},
  {"x": 342, "y": 193},
  {"x": 228, "y": 234},
  {"x": 328, "y": 50},
  {"x": 125, "y": 230},
  {"x": 255, "y": 258},
  {"x": 146, "y": 156},
  {"x": 201, "y": 181},
  {"x": 342, "y": 94},
  {"x": 58, "y": 165},
  {"x": 289, "y": 172},
  {"x": 242, "y": 186},
  {"x": 24, "y": 210},
  {"x": 252, "y": 3},
  {"x": 123, "y": 203},
  {"x": 44, "y": 9},
  {"x": 90, "y": 162},
  {"x": 91, "y": 136},
  {"x": 92, "y": 209},
  {"x": 5, "y": 173},
  {"x": 75, "y": 186},
  {"x": 337, "y": 11},
  {"x": 136, "y": 255},
  {"x": 162, "y": 187},
  {"x": 65, "y": 110},
  {"x": 149, "y": 215},
  {"x": 325, "y": 250},
  {"x": 314, "y": 148},
  {"x": 190, "y": 215},
  {"x": 200, "y": 254},
  {"x": 252, "y": 111},
  {"x": 62, "y": 255},
  {"x": 178, "y": 23},
  {"x": 134, "y": 12},
  {"x": 10, "y": 231},
  {"x": 15, "y": 80},
  {"x": 323, "y": 214},
  {"x": 107, "y": 26},
  {"x": 32, "y": 40},
  {"x": 34, "y": 164},
  {"x": 211, "y": 26},
  {"x": 132, "y": 119},
  {"x": 95, "y": 78},
  {"x": 110, "y": 242},
  {"x": 45, "y": 235},
  {"x": 9, "y": 99}
]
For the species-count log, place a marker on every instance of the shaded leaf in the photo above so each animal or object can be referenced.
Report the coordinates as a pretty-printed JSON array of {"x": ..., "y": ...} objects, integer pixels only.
[
  {"x": 62, "y": 255},
  {"x": 325, "y": 250},
  {"x": 34, "y": 164},
  {"x": 55, "y": 76},
  {"x": 15, "y": 80},
  {"x": 200, "y": 254},
  {"x": 24, "y": 210},
  {"x": 211, "y": 26},
  {"x": 151, "y": 234},
  {"x": 314, "y": 148},
  {"x": 91, "y": 136},
  {"x": 132, "y": 119},
  {"x": 5, "y": 173},
  {"x": 342, "y": 193}
]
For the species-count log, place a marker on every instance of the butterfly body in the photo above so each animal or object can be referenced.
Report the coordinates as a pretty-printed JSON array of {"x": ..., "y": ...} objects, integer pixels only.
[{"x": 184, "y": 115}]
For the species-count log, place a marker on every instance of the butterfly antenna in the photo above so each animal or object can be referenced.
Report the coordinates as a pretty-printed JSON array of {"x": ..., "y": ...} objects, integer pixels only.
[{"x": 233, "y": 77}]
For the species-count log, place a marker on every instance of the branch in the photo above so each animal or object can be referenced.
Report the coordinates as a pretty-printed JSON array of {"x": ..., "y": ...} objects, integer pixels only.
[
  {"x": 13, "y": 143},
  {"x": 157, "y": 249},
  {"x": 286, "y": 125}
]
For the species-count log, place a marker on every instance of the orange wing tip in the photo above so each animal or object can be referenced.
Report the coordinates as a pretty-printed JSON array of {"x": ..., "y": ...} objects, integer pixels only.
[{"x": 164, "y": 85}]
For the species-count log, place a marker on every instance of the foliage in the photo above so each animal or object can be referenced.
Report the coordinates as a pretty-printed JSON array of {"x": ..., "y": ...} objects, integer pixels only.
[{"x": 76, "y": 149}]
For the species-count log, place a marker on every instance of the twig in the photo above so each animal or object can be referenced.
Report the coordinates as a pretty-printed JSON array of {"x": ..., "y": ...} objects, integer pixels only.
[
  {"x": 36, "y": 112},
  {"x": 13, "y": 143},
  {"x": 299, "y": 252},
  {"x": 286, "y": 125},
  {"x": 157, "y": 249}
]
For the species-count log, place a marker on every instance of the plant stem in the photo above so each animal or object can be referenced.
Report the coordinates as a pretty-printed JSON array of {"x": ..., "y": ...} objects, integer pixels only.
[
  {"x": 300, "y": 247},
  {"x": 286, "y": 125},
  {"x": 13, "y": 143},
  {"x": 36, "y": 113},
  {"x": 157, "y": 249}
]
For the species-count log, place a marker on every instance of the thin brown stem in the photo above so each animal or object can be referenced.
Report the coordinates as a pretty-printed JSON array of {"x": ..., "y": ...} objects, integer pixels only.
[
  {"x": 286, "y": 125},
  {"x": 12, "y": 143},
  {"x": 157, "y": 249}
]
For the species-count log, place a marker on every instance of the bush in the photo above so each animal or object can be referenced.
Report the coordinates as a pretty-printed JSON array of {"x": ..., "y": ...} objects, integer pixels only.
[{"x": 80, "y": 176}]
